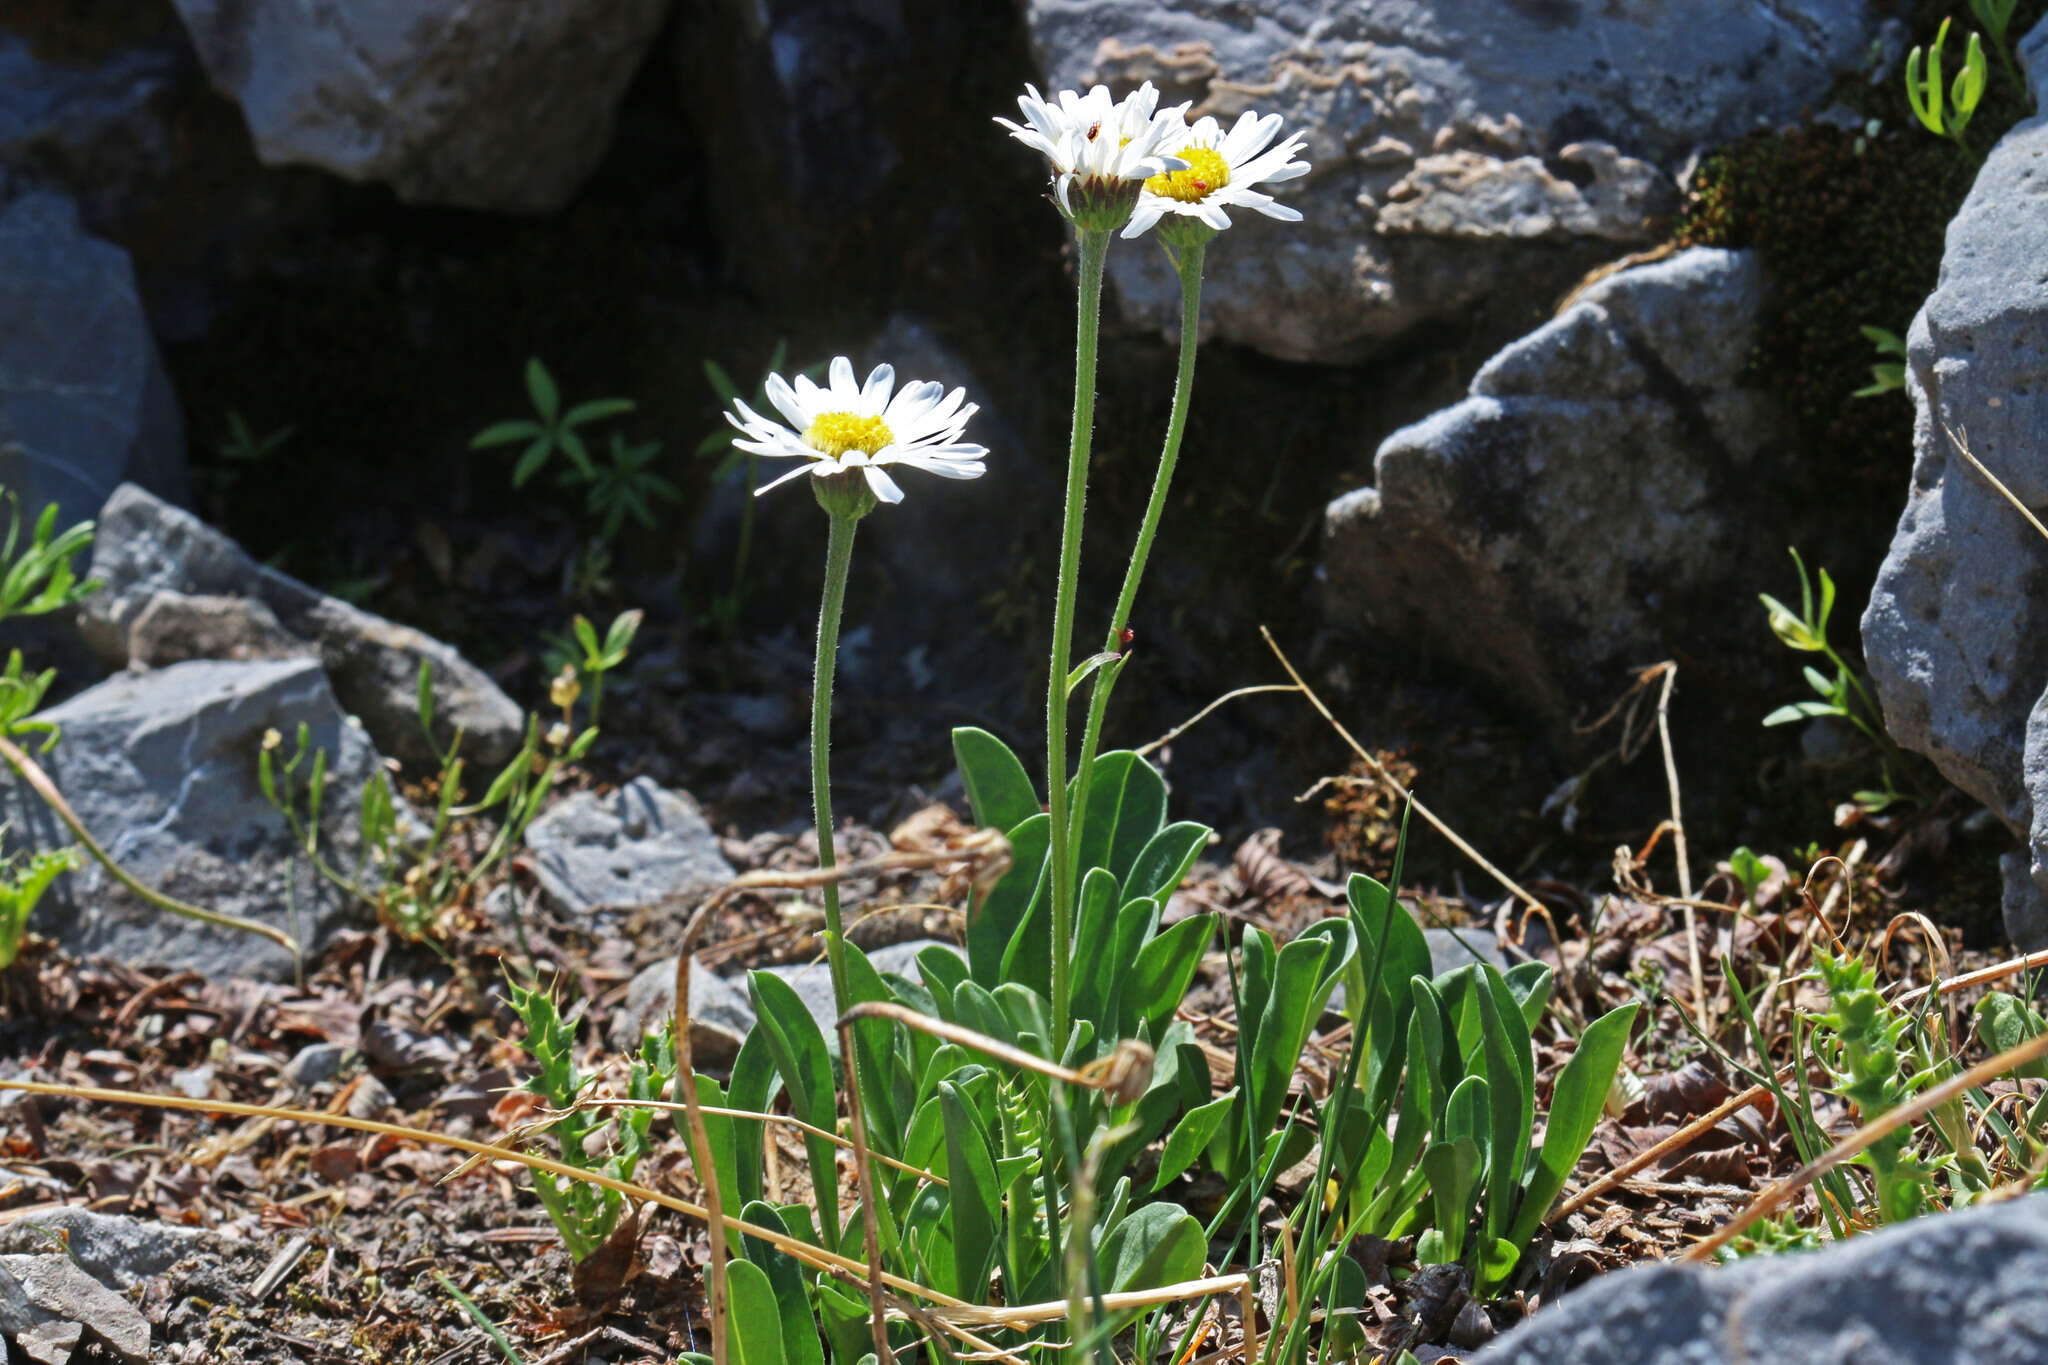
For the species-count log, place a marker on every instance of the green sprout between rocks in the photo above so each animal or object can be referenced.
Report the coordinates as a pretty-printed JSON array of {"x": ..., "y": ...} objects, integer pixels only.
[
  {"x": 1841, "y": 695},
  {"x": 402, "y": 867},
  {"x": 1886, "y": 376},
  {"x": 1925, "y": 86}
]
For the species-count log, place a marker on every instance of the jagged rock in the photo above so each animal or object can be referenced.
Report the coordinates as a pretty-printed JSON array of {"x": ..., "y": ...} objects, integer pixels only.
[
  {"x": 1539, "y": 532},
  {"x": 1954, "y": 633},
  {"x": 84, "y": 400},
  {"x": 163, "y": 571},
  {"x": 504, "y": 107},
  {"x": 161, "y": 770},
  {"x": 1457, "y": 147},
  {"x": 120, "y": 1252},
  {"x": 37, "y": 1292},
  {"x": 1948, "y": 1290},
  {"x": 636, "y": 847}
]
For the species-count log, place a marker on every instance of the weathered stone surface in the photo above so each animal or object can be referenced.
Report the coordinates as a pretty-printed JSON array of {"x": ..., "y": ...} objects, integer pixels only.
[
  {"x": 1948, "y": 1290},
  {"x": 498, "y": 106},
  {"x": 84, "y": 400},
  {"x": 50, "y": 1289},
  {"x": 1456, "y": 143},
  {"x": 119, "y": 1252},
  {"x": 1539, "y": 532},
  {"x": 639, "y": 846},
  {"x": 1954, "y": 631},
  {"x": 160, "y": 564},
  {"x": 161, "y": 769},
  {"x": 723, "y": 1004}
]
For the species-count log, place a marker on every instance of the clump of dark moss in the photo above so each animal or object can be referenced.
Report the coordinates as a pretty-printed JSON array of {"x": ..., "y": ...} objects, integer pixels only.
[{"x": 1854, "y": 224}]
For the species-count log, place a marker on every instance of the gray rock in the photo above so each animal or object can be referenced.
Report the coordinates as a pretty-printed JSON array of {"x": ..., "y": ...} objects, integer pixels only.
[
  {"x": 1540, "y": 532},
  {"x": 1449, "y": 951},
  {"x": 161, "y": 769},
  {"x": 504, "y": 107},
  {"x": 639, "y": 846},
  {"x": 165, "y": 572},
  {"x": 50, "y": 1289},
  {"x": 1954, "y": 632},
  {"x": 720, "y": 1013},
  {"x": 1443, "y": 135},
  {"x": 315, "y": 1063},
  {"x": 723, "y": 1003},
  {"x": 84, "y": 400},
  {"x": 173, "y": 628},
  {"x": 1947, "y": 1290},
  {"x": 117, "y": 1251},
  {"x": 812, "y": 981}
]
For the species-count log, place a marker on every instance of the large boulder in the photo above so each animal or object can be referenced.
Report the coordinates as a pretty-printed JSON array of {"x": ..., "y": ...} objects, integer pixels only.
[
  {"x": 84, "y": 400},
  {"x": 484, "y": 106},
  {"x": 1460, "y": 147},
  {"x": 1540, "y": 532},
  {"x": 1956, "y": 633},
  {"x": 1952, "y": 1290},
  {"x": 161, "y": 769},
  {"x": 176, "y": 589}
]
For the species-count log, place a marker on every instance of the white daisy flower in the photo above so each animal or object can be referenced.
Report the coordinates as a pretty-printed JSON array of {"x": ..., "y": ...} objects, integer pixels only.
[
  {"x": 849, "y": 426},
  {"x": 1224, "y": 170},
  {"x": 1105, "y": 148}
]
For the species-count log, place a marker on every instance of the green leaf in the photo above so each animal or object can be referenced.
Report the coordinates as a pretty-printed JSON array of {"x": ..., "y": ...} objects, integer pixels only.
[
  {"x": 596, "y": 410},
  {"x": 1158, "y": 981},
  {"x": 1191, "y": 1137},
  {"x": 540, "y": 387},
  {"x": 800, "y": 1342},
  {"x": 991, "y": 928},
  {"x": 877, "y": 1061},
  {"x": 798, "y": 1050},
  {"x": 942, "y": 969},
  {"x": 1576, "y": 1104},
  {"x": 586, "y": 635},
  {"x": 1093, "y": 974},
  {"x": 2004, "y": 1022},
  {"x": 753, "y": 1318},
  {"x": 505, "y": 433},
  {"x": 579, "y": 454},
  {"x": 997, "y": 786},
  {"x": 1157, "y": 1245},
  {"x": 532, "y": 459},
  {"x": 1511, "y": 1085},
  {"x": 1165, "y": 860},
  {"x": 974, "y": 1198}
]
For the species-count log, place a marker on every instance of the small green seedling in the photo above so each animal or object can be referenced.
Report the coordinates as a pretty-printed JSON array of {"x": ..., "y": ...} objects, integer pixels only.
[
  {"x": 1886, "y": 376},
  {"x": 1925, "y": 86}
]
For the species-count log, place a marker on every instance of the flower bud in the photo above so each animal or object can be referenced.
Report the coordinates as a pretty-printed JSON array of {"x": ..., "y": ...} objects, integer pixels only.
[{"x": 565, "y": 689}]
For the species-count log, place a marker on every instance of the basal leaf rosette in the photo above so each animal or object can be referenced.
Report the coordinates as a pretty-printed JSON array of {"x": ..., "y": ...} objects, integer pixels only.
[{"x": 848, "y": 433}]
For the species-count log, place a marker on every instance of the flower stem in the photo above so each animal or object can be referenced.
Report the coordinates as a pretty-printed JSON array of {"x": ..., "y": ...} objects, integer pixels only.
[
  {"x": 1189, "y": 264},
  {"x": 1094, "y": 246},
  {"x": 838, "y": 557}
]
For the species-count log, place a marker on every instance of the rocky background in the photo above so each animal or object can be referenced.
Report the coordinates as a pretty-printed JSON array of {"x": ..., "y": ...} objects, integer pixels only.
[{"x": 1557, "y": 365}]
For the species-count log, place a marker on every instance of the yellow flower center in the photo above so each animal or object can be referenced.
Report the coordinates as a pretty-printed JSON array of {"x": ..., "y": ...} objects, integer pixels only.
[
  {"x": 835, "y": 433},
  {"x": 1207, "y": 171}
]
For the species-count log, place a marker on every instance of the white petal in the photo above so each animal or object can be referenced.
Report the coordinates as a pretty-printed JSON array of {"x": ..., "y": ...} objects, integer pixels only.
[
  {"x": 875, "y": 393},
  {"x": 1248, "y": 136},
  {"x": 842, "y": 378},
  {"x": 782, "y": 479},
  {"x": 1151, "y": 208},
  {"x": 790, "y": 403},
  {"x": 884, "y": 487}
]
